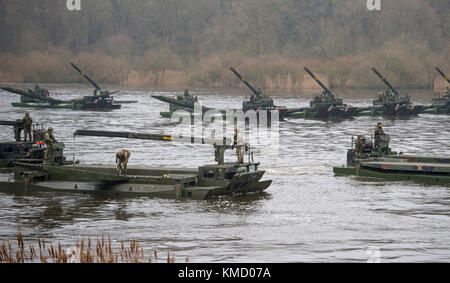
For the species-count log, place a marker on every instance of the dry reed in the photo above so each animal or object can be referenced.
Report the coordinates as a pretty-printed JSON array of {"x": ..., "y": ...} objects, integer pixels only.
[{"x": 82, "y": 252}]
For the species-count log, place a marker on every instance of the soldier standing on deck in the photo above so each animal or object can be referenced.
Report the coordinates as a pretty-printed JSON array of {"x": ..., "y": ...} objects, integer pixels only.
[
  {"x": 49, "y": 140},
  {"x": 359, "y": 146},
  {"x": 378, "y": 132},
  {"x": 122, "y": 157},
  {"x": 27, "y": 122}
]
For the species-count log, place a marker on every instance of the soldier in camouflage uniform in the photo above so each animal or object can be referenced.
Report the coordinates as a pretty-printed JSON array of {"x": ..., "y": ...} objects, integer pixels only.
[
  {"x": 359, "y": 146},
  {"x": 27, "y": 122},
  {"x": 122, "y": 157},
  {"x": 49, "y": 140},
  {"x": 378, "y": 132}
]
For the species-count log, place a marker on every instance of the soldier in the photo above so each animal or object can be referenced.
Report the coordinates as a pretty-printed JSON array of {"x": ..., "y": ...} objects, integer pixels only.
[
  {"x": 359, "y": 146},
  {"x": 18, "y": 130},
  {"x": 239, "y": 144},
  {"x": 122, "y": 157},
  {"x": 378, "y": 132},
  {"x": 41, "y": 91},
  {"x": 49, "y": 140},
  {"x": 26, "y": 124}
]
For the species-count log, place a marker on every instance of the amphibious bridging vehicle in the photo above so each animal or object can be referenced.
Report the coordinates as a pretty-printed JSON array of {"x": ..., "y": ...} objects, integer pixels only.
[
  {"x": 101, "y": 100},
  {"x": 325, "y": 105},
  {"x": 391, "y": 102},
  {"x": 208, "y": 181},
  {"x": 381, "y": 162},
  {"x": 259, "y": 101}
]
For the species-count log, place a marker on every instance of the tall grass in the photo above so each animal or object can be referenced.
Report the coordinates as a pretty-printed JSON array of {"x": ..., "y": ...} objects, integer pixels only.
[{"x": 84, "y": 251}]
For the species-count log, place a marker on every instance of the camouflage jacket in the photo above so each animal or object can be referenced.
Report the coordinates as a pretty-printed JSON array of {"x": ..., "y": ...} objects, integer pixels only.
[
  {"x": 49, "y": 138},
  {"x": 378, "y": 131},
  {"x": 123, "y": 155},
  {"x": 27, "y": 122}
]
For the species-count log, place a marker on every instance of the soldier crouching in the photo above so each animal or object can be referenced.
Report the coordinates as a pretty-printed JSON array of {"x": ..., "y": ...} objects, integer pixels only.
[{"x": 122, "y": 157}]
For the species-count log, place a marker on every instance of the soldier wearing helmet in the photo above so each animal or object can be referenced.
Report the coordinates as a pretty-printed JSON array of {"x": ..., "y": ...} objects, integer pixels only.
[
  {"x": 49, "y": 140},
  {"x": 378, "y": 132},
  {"x": 26, "y": 124},
  {"x": 359, "y": 145}
]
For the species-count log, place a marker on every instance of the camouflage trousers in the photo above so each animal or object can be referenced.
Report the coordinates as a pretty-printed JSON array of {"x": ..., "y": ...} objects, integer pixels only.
[
  {"x": 27, "y": 132},
  {"x": 122, "y": 167},
  {"x": 48, "y": 149},
  {"x": 240, "y": 154}
]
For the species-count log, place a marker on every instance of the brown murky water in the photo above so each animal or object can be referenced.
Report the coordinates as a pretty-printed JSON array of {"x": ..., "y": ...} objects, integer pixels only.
[{"x": 306, "y": 215}]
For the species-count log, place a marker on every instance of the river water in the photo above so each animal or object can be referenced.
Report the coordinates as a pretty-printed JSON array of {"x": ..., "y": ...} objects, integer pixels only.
[{"x": 307, "y": 215}]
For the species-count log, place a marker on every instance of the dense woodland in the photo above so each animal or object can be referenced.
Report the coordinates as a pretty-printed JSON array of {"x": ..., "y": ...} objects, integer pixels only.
[{"x": 177, "y": 43}]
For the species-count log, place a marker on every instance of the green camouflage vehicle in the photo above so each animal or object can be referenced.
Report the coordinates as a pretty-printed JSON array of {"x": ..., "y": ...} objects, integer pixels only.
[
  {"x": 391, "y": 103},
  {"x": 325, "y": 105},
  {"x": 101, "y": 100},
  {"x": 380, "y": 162},
  {"x": 37, "y": 91},
  {"x": 30, "y": 152},
  {"x": 259, "y": 101},
  {"x": 33, "y": 99},
  {"x": 204, "y": 182}
]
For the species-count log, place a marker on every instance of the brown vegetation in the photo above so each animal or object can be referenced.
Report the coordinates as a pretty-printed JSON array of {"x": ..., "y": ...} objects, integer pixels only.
[
  {"x": 404, "y": 68},
  {"x": 176, "y": 44},
  {"x": 86, "y": 251}
]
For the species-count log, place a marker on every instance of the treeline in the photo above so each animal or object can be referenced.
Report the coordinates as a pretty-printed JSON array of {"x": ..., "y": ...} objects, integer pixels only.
[{"x": 177, "y": 43}]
